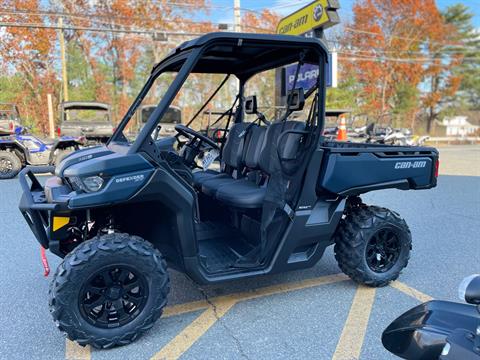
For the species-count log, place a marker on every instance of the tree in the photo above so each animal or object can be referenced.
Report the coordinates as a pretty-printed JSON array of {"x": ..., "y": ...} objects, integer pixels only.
[
  {"x": 390, "y": 51},
  {"x": 468, "y": 45},
  {"x": 260, "y": 22},
  {"x": 27, "y": 56}
]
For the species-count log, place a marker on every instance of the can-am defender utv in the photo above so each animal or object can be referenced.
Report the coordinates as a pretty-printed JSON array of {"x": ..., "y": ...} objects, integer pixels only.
[{"x": 118, "y": 214}]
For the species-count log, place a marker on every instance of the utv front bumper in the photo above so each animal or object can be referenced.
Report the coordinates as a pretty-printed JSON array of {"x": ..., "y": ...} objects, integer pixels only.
[{"x": 35, "y": 208}]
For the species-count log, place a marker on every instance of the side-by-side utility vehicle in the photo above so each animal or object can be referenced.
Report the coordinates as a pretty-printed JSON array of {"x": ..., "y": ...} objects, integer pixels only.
[
  {"x": 90, "y": 119},
  {"x": 19, "y": 148},
  {"x": 119, "y": 214}
]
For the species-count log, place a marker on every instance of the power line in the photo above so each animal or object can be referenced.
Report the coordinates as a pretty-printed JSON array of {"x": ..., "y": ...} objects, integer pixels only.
[
  {"x": 82, "y": 28},
  {"x": 90, "y": 16},
  {"x": 349, "y": 29}
]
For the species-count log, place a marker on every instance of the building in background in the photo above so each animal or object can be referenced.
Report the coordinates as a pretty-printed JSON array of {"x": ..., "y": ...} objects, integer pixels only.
[{"x": 458, "y": 126}]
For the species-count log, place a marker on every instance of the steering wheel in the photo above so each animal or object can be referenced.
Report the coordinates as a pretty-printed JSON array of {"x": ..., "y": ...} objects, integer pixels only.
[
  {"x": 192, "y": 135},
  {"x": 193, "y": 147}
]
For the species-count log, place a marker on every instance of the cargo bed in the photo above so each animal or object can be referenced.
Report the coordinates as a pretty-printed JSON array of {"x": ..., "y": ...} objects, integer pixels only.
[{"x": 356, "y": 168}]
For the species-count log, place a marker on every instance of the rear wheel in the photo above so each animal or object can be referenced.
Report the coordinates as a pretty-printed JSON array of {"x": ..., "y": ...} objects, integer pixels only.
[
  {"x": 372, "y": 245},
  {"x": 109, "y": 290},
  {"x": 10, "y": 165}
]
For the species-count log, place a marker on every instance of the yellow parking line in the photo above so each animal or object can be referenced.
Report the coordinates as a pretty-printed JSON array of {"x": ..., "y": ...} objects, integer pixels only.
[
  {"x": 184, "y": 308},
  {"x": 73, "y": 351},
  {"x": 286, "y": 287},
  {"x": 351, "y": 340},
  {"x": 188, "y": 336},
  {"x": 253, "y": 294},
  {"x": 199, "y": 326},
  {"x": 411, "y": 291}
]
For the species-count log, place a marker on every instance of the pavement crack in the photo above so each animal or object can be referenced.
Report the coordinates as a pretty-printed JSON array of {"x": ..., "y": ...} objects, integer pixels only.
[{"x": 224, "y": 325}]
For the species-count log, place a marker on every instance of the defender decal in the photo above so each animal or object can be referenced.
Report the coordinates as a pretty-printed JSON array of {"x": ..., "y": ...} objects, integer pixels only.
[
  {"x": 133, "y": 178},
  {"x": 410, "y": 164}
]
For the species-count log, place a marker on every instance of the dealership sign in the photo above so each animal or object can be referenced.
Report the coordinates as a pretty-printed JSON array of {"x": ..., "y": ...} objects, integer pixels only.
[{"x": 318, "y": 14}]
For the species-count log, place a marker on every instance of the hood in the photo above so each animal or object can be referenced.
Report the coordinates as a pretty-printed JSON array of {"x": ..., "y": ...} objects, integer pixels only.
[{"x": 81, "y": 156}]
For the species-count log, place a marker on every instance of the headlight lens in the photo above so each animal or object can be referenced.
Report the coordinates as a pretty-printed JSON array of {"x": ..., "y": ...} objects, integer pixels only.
[
  {"x": 93, "y": 183},
  {"x": 88, "y": 184}
]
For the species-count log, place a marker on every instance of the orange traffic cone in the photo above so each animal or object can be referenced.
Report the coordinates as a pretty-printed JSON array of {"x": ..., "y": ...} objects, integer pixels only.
[{"x": 342, "y": 130}]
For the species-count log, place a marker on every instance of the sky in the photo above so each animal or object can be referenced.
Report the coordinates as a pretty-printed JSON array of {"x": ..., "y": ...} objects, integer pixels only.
[{"x": 224, "y": 12}]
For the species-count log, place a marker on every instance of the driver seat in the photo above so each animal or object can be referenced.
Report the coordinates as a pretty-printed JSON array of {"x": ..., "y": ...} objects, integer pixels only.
[{"x": 231, "y": 158}]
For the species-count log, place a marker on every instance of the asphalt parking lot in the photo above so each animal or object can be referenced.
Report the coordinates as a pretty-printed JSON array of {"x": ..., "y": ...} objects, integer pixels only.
[{"x": 315, "y": 313}]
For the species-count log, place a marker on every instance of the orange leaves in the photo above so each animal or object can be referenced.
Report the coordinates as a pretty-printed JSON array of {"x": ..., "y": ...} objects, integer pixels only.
[
  {"x": 264, "y": 22},
  {"x": 393, "y": 40}
]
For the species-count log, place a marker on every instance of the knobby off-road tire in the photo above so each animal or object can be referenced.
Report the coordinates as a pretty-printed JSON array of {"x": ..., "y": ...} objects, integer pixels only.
[
  {"x": 10, "y": 164},
  {"x": 81, "y": 268},
  {"x": 356, "y": 242}
]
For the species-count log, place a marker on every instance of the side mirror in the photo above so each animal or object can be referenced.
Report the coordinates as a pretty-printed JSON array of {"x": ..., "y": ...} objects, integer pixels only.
[
  {"x": 469, "y": 289},
  {"x": 251, "y": 106},
  {"x": 296, "y": 99}
]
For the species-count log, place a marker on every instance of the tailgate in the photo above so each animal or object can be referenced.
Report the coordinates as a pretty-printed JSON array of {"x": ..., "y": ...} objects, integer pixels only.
[
  {"x": 355, "y": 171},
  {"x": 86, "y": 128}
]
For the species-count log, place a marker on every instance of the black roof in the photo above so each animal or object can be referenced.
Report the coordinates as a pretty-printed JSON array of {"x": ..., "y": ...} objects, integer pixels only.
[{"x": 243, "y": 54}]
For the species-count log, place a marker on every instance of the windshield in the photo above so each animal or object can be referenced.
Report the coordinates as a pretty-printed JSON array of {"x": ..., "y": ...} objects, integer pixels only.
[
  {"x": 86, "y": 115},
  {"x": 193, "y": 95}
]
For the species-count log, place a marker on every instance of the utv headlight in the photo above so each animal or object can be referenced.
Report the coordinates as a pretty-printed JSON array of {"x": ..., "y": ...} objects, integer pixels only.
[
  {"x": 87, "y": 184},
  {"x": 93, "y": 183}
]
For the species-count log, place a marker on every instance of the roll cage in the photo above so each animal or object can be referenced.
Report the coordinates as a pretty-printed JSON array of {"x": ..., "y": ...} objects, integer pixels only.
[{"x": 241, "y": 55}]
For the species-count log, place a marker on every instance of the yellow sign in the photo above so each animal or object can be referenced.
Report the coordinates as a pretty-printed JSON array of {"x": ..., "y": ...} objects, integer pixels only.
[{"x": 312, "y": 16}]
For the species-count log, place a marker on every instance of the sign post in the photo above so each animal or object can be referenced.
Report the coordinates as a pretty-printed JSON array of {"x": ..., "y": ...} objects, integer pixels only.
[{"x": 309, "y": 21}]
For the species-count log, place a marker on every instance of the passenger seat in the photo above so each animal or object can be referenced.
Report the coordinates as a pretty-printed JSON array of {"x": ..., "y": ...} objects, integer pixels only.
[
  {"x": 249, "y": 194},
  {"x": 252, "y": 139}
]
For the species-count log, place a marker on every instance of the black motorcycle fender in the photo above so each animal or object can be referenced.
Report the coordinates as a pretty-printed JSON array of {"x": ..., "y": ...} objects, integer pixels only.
[{"x": 421, "y": 332}]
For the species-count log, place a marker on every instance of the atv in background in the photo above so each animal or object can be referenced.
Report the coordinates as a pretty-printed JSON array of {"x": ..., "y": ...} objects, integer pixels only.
[
  {"x": 92, "y": 120},
  {"x": 9, "y": 118},
  {"x": 20, "y": 149}
]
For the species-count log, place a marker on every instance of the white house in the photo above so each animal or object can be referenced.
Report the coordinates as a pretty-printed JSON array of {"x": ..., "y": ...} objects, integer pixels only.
[{"x": 459, "y": 126}]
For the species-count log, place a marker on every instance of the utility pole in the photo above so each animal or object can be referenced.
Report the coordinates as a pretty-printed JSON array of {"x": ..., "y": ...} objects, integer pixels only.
[
  {"x": 64, "y": 62},
  {"x": 237, "y": 18}
]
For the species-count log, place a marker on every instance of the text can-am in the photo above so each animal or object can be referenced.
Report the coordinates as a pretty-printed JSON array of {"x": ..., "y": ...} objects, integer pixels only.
[{"x": 120, "y": 213}]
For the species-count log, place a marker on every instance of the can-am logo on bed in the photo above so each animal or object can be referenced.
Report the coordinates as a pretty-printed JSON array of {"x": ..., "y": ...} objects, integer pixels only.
[{"x": 410, "y": 164}]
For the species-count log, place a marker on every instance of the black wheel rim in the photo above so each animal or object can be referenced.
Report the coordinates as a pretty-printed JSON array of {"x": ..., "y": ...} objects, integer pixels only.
[
  {"x": 6, "y": 165},
  {"x": 383, "y": 250},
  {"x": 113, "y": 296}
]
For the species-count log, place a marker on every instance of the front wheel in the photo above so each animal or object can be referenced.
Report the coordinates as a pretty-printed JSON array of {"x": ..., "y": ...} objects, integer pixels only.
[
  {"x": 10, "y": 164},
  {"x": 372, "y": 245},
  {"x": 109, "y": 290}
]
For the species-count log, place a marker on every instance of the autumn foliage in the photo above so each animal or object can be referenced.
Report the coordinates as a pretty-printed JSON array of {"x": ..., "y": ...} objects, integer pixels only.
[
  {"x": 395, "y": 56},
  {"x": 394, "y": 46}
]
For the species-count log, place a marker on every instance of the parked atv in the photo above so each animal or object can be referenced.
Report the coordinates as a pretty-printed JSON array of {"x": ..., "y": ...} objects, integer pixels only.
[
  {"x": 9, "y": 118},
  {"x": 89, "y": 119},
  {"x": 19, "y": 150},
  {"x": 119, "y": 214}
]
